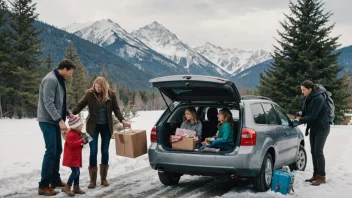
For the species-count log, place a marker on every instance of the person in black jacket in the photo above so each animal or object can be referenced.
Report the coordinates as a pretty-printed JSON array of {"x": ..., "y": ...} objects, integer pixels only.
[{"x": 315, "y": 114}]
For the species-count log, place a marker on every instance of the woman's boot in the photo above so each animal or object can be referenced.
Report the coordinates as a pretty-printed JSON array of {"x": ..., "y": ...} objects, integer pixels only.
[
  {"x": 93, "y": 176},
  {"x": 103, "y": 173}
]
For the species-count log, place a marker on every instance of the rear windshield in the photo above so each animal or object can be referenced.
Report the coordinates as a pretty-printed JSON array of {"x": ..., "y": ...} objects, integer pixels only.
[{"x": 199, "y": 94}]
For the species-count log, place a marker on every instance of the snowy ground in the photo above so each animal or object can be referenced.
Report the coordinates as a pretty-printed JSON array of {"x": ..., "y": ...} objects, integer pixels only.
[{"x": 22, "y": 149}]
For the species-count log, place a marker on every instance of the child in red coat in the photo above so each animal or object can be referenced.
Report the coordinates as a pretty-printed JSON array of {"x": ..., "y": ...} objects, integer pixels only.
[{"x": 73, "y": 155}]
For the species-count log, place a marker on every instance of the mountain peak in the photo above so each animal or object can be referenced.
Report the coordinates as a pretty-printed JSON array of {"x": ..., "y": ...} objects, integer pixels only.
[
  {"x": 157, "y": 32},
  {"x": 108, "y": 23},
  {"x": 208, "y": 44},
  {"x": 232, "y": 60},
  {"x": 155, "y": 23},
  {"x": 157, "y": 26}
]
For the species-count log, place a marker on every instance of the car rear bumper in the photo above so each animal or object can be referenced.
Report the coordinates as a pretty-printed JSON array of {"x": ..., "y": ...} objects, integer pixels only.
[{"x": 195, "y": 163}]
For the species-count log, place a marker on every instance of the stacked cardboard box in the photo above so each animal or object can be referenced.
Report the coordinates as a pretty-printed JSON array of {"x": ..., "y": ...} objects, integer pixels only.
[
  {"x": 131, "y": 143},
  {"x": 184, "y": 139}
]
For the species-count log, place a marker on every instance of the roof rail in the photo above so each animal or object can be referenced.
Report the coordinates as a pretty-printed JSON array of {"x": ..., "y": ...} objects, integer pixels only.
[{"x": 253, "y": 97}]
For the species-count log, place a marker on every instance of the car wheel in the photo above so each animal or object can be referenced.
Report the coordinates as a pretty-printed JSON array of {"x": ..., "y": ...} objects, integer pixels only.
[
  {"x": 262, "y": 182},
  {"x": 301, "y": 163},
  {"x": 168, "y": 178}
]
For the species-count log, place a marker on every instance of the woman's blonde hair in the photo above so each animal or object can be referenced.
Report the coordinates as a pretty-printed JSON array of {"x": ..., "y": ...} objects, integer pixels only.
[
  {"x": 103, "y": 96},
  {"x": 194, "y": 119},
  {"x": 227, "y": 117}
]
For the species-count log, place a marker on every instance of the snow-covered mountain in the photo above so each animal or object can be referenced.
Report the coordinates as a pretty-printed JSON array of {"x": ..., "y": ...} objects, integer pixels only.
[
  {"x": 77, "y": 26},
  {"x": 232, "y": 61},
  {"x": 113, "y": 37},
  {"x": 156, "y": 50},
  {"x": 159, "y": 38}
]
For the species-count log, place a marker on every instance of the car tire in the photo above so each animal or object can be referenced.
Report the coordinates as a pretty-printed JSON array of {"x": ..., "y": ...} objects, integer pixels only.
[
  {"x": 301, "y": 163},
  {"x": 262, "y": 182},
  {"x": 168, "y": 178}
]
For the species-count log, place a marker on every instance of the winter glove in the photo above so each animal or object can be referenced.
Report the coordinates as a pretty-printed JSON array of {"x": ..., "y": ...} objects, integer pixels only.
[{"x": 85, "y": 139}]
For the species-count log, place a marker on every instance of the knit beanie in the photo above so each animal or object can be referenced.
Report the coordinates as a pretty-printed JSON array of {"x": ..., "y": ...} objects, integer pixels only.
[{"x": 75, "y": 122}]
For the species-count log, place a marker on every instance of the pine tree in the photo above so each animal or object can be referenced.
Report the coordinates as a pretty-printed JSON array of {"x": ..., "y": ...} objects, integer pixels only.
[
  {"x": 5, "y": 50},
  {"x": 24, "y": 77},
  {"x": 47, "y": 66},
  {"x": 106, "y": 76},
  {"x": 94, "y": 76},
  {"x": 305, "y": 51},
  {"x": 79, "y": 81},
  {"x": 48, "y": 63}
]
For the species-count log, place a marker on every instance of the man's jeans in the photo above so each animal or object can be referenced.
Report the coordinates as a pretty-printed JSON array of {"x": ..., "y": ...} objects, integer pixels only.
[{"x": 51, "y": 162}]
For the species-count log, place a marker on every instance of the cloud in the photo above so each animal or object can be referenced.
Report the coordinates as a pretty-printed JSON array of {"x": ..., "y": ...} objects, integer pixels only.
[{"x": 246, "y": 24}]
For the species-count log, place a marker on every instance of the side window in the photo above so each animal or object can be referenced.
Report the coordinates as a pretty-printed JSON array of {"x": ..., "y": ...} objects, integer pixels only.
[
  {"x": 283, "y": 117},
  {"x": 235, "y": 114},
  {"x": 258, "y": 114},
  {"x": 270, "y": 114}
]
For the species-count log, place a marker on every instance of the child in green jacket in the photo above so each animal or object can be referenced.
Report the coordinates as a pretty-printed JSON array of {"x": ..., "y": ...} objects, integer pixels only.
[{"x": 225, "y": 140}]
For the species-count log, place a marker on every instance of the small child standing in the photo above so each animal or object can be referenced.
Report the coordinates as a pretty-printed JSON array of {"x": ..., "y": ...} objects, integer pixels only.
[{"x": 73, "y": 155}]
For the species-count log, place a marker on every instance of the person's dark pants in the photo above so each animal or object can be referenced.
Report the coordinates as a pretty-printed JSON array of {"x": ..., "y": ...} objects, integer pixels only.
[
  {"x": 317, "y": 142},
  {"x": 74, "y": 177},
  {"x": 51, "y": 161},
  {"x": 104, "y": 131}
]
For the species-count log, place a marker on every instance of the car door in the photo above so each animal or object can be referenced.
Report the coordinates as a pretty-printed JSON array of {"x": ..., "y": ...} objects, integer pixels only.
[
  {"x": 279, "y": 132},
  {"x": 291, "y": 133}
]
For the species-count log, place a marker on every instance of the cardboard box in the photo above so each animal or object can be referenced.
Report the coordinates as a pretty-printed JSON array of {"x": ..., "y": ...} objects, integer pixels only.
[
  {"x": 185, "y": 144},
  {"x": 131, "y": 143},
  {"x": 185, "y": 132}
]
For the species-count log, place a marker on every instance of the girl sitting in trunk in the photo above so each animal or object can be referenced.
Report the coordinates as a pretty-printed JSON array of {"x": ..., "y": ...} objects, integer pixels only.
[
  {"x": 191, "y": 122},
  {"x": 225, "y": 140}
]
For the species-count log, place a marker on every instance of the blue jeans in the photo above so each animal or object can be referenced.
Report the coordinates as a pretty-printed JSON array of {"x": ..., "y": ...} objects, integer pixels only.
[
  {"x": 74, "y": 177},
  {"x": 51, "y": 161},
  {"x": 104, "y": 131}
]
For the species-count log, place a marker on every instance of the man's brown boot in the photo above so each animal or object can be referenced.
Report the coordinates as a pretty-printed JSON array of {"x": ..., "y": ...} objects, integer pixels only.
[
  {"x": 314, "y": 177},
  {"x": 59, "y": 185},
  {"x": 320, "y": 180},
  {"x": 46, "y": 191}
]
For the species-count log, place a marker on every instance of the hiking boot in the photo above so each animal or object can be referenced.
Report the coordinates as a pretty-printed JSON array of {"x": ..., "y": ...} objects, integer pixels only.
[
  {"x": 46, "y": 191},
  {"x": 320, "y": 180},
  {"x": 67, "y": 190},
  {"x": 314, "y": 177}
]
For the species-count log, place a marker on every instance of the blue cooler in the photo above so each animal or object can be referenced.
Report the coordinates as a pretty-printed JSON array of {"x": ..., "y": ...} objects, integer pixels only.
[{"x": 282, "y": 182}]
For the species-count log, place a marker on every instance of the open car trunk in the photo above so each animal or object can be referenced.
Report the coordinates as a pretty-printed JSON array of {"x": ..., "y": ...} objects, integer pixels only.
[
  {"x": 197, "y": 88},
  {"x": 209, "y": 125},
  {"x": 190, "y": 90}
]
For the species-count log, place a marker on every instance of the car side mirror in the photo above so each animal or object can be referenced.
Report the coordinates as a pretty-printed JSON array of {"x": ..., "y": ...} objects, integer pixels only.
[{"x": 294, "y": 123}]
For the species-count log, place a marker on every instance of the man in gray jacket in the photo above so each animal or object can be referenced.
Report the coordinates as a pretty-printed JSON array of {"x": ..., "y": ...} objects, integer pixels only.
[{"x": 52, "y": 112}]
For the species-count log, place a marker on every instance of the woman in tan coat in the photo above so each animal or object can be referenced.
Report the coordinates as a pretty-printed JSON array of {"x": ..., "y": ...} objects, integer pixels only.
[{"x": 101, "y": 103}]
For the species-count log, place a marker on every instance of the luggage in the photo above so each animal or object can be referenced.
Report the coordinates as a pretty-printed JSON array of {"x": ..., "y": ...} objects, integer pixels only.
[{"x": 282, "y": 182}]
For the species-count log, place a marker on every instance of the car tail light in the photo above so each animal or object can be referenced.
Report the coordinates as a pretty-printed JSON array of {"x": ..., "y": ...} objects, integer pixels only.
[
  {"x": 153, "y": 137},
  {"x": 249, "y": 137}
]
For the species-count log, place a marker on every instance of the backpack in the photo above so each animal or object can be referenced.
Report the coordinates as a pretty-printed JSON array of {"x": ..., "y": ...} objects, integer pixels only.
[{"x": 330, "y": 106}]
